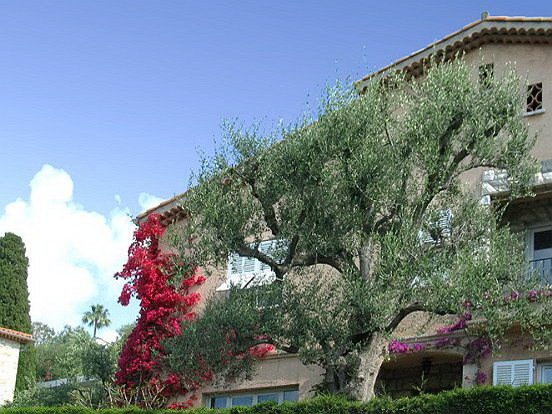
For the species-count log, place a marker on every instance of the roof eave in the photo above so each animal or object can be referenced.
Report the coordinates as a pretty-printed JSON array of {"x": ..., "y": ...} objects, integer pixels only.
[
  {"x": 455, "y": 40},
  {"x": 170, "y": 211},
  {"x": 16, "y": 336}
]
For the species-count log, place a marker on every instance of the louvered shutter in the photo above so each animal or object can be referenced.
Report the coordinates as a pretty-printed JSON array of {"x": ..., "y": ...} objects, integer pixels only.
[
  {"x": 266, "y": 247},
  {"x": 444, "y": 224},
  {"x": 249, "y": 265},
  {"x": 236, "y": 264},
  {"x": 502, "y": 373},
  {"x": 513, "y": 373},
  {"x": 235, "y": 270},
  {"x": 442, "y": 227},
  {"x": 242, "y": 270}
]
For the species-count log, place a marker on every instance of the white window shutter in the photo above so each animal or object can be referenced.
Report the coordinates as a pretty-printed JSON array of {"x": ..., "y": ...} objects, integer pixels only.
[
  {"x": 236, "y": 264},
  {"x": 502, "y": 374},
  {"x": 442, "y": 227},
  {"x": 243, "y": 270},
  {"x": 445, "y": 222},
  {"x": 266, "y": 247},
  {"x": 235, "y": 270},
  {"x": 249, "y": 265},
  {"x": 515, "y": 373},
  {"x": 523, "y": 373}
]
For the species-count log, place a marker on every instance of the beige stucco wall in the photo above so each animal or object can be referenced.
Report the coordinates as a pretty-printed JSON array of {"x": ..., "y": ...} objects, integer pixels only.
[
  {"x": 273, "y": 372},
  {"x": 516, "y": 346},
  {"x": 533, "y": 64},
  {"x": 9, "y": 358}
]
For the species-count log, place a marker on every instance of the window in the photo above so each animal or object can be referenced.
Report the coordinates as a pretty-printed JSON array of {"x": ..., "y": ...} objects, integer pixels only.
[
  {"x": 438, "y": 228},
  {"x": 486, "y": 74},
  {"x": 292, "y": 395},
  {"x": 545, "y": 373},
  {"x": 242, "y": 401},
  {"x": 219, "y": 402},
  {"x": 513, "y": 373},
  {"x": 246, "y": 400},
  {"x": 539, "y": 252},
  {"x": 247, "y": 271},
  {"x": 534, "y": 98},
  {"x": 267, "y": 397}
]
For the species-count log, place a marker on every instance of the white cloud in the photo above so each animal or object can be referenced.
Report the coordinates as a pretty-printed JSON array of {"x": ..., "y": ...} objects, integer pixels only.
[
  {"x": 148, "y": 201},
  {"x": 73, "y": 253},
  {"x": 107, "y": 335}
]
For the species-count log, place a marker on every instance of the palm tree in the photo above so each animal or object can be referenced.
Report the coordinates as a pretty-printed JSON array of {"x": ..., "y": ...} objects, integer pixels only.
[{"x": 97, "y": 316}]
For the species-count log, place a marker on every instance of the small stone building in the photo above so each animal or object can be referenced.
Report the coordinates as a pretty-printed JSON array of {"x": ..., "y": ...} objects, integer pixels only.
[{"x": 10, "y": 342}]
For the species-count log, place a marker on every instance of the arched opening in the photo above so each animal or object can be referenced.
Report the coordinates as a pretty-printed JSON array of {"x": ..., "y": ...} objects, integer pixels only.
[{"x": 410, "y": 374}]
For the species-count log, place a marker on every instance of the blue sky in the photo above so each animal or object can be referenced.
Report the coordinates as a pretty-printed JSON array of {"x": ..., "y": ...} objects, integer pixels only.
[{"x": 120, "y": 94}]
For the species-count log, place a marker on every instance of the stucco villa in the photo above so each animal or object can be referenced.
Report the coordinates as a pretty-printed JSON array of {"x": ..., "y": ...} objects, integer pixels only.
[
  {"x": 491, "y": 45},
  {"x": 10, "y": 343}
]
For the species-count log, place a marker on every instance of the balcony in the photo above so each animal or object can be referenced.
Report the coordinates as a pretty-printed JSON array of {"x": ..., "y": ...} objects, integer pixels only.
[{"x": 543, "y": 269}]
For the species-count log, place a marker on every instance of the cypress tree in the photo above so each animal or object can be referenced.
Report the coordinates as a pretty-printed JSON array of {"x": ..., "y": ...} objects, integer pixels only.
[{"x": 14, "y": 303}]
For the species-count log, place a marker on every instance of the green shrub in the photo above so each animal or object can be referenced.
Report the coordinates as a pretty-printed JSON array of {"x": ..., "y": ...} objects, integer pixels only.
[
  {"x": 534, "y": 399},
  {"x": 44, "y": 397}
]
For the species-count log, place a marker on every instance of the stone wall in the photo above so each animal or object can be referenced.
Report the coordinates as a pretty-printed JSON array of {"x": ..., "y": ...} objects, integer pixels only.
[{"x": 9, "y": 358}]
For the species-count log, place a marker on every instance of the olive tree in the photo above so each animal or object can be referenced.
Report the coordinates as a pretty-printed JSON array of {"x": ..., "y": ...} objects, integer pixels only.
[{"x": 375, "y": 219}]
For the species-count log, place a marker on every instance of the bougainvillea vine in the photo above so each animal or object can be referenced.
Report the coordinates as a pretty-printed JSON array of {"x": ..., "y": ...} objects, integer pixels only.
[
  {"x": 478, "y": 348},
  {"x": 165, "y": 301}
]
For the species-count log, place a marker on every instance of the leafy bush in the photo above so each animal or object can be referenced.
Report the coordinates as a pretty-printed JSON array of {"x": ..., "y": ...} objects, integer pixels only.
[
  {"x": 535, "y": 399},
  {"x": 45, "y": 397}
]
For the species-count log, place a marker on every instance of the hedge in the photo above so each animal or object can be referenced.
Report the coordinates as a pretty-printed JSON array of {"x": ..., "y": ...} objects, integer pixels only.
[{"x": 534, "y": 399}]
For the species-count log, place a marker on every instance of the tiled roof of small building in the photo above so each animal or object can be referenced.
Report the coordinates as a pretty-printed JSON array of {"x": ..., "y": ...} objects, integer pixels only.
[{"x": 16, "y": 336}]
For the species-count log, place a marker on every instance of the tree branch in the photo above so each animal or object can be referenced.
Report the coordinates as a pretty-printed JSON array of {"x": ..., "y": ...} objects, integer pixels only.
[
  {"x": 247, "y": 251},
  {"x": 316, "y": 258},
  {"x": 292, "y": 249},
  {"x": 403, "y": 313},
  {"x": 269, "y": 212}
]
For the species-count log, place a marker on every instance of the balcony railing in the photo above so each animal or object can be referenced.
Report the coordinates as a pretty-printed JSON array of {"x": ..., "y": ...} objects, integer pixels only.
[{"x": 543, "y": 269}]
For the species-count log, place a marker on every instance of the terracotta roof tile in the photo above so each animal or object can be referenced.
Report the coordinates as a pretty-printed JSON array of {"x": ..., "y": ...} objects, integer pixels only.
[
  {"x": 168, "y": 213},
  {"x": 16, "y": 335},
  {"x": 442, "y": 43}
]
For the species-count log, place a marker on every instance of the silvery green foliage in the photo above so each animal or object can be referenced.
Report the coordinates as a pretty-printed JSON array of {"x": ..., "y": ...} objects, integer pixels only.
[{"x": 358, "y": 192}]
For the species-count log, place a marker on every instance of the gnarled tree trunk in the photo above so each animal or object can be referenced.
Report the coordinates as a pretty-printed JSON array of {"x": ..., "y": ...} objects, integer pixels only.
[{"x": 363, "y": 387}]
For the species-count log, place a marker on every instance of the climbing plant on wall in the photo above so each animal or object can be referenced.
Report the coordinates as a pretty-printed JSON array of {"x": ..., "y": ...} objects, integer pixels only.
[{"x": 163, "y": 287}]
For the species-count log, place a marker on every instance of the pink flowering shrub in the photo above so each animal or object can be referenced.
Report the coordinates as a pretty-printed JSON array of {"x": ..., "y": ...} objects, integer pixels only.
[{"x": 163, "y": 305}]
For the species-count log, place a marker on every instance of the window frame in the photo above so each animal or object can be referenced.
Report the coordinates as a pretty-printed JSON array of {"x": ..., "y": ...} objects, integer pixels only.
[
  {"x": 485, "y": 74},
  {"x": 254, "y": 395},
  {"x": 531, "y": 230},
  {"x": 540, "y": 110},
  {"x": 443, "y": 224},
  {"x": 540, "y": 371},
  {"x": 530, "y": 245}
]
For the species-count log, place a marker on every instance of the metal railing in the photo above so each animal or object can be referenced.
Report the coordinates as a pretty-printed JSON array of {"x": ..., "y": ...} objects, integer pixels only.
[{"x": 542, "y": 268}]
